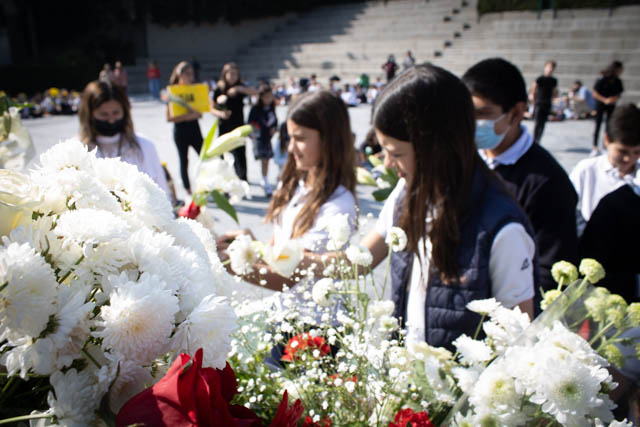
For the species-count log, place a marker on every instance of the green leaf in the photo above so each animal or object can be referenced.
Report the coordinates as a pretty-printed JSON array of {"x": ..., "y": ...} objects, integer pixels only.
[
  {"x": 209, "y": 139},
  {"x": 224, "y": 204},
  {"x": 382, "y": 194}
]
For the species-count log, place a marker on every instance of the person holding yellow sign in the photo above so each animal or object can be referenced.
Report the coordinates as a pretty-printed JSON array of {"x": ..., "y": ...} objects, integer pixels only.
[{"x": 183, "y": 110}]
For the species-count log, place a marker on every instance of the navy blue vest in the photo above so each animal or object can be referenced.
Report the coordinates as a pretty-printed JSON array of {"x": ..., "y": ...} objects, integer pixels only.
[{"x": 446, "y": 316}]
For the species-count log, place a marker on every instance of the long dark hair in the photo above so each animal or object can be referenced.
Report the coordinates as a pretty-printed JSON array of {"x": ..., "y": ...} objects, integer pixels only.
[
  {"x": 94, "y": 95},
  {"x": 432, "y": 109},
  {"x": 611, "y": 69},
  {"x": 223, "y": 84},
  {"x": 326, "y": 113},
  {"x": 265, "y": 88}
]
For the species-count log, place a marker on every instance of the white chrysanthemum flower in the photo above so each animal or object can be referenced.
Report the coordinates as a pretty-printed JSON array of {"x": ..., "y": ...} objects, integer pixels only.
[
  {"x": 89, "y": 227},
  {"x": 73, "y": 189},
  {"x": 321, "y": 291},
  {"x": 209, "y": 326},
  {"x": 339, "y": 229},
  {"x": 494, "y": 393},
  {"x": 71, "y": 153},
  {"x": 396, "y": 239},
  {"x": 123, "y": 379},
  {"x": 472, "y": 352},
  {"x": 505, "y": 327},
  {"x": 29, "y": 289},
  {"x": 569, "y": 390},
  {"x": 61, "y": 345},
  {"x": 139, "y": 319},
  {"x": 140, "y": 198},
  {"x": 359, "y": 255},
  {"x": 466, "y": 377},
  {"x": 242, "y": 254},
  {"x": 76, "y": 397},
  {"x": 560, "y": 338},
  {"x": 284, "y": 256},
  {"x": 484, "y": 306},
  {"x": 381, "y": 308}
]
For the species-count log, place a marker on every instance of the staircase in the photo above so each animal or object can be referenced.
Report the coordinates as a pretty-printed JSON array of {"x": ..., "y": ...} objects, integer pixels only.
[{"x": 352, "y": 39}]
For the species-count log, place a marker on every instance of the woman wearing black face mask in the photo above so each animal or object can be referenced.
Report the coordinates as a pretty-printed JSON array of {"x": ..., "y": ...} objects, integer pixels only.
[{"x": 106, "y": 125}]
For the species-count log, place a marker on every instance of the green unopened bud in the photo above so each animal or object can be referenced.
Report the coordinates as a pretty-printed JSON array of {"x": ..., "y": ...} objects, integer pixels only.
[
  {"x": 592, "y": 270},
  {"x": 229, "y": 141},
  {"x": 613, "y": 355},
  {"x": 564, "y": 272},
  {"x": 633, "y": 311},
  {"x": 549, "y": 297}
]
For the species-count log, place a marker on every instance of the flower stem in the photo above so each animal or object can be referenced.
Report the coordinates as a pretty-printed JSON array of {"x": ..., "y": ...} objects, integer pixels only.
[
  {"x": 8, "y": 384},
  {"x": 25, "y": 417},
  {"x": 90, "y": 357},
  {"x": 386, "y": 272},
  {"x": 475, "y": 336},
  {"x": 600, "y": 333}
]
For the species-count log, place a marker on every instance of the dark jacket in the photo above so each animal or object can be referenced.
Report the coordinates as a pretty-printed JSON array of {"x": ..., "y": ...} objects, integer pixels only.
[
  {"x": 446, "y": 316},
  {"x": 543, "y": 189}
]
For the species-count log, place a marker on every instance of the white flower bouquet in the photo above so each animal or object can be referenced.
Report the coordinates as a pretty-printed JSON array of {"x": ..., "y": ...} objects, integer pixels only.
[
  {"x": 556, "y": 371},
  {"x": 100, "y": 287},
  {"x": 329, "y": 342}
]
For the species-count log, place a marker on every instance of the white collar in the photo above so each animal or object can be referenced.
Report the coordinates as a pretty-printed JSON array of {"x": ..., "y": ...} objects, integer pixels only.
[
  {"x": 101, "y": 139},
  {"x": 512, "y": 154}
]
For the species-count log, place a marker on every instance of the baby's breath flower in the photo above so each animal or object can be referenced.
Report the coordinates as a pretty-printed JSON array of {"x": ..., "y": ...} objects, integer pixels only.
[{"x": 592, "y": 270}]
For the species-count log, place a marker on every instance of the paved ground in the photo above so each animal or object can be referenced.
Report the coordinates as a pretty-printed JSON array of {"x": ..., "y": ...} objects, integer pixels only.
[{"x": 569, "y": 141}]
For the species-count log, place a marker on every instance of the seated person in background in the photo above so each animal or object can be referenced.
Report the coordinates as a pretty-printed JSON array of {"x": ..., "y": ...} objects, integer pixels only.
[
  {"x": 368, "y": 147},
  {"x": 581, "y": 101},
  {"x": 612, "y": 236},
  {"x": 596, "y": 177},
  {"x": 532, "y": 176}
]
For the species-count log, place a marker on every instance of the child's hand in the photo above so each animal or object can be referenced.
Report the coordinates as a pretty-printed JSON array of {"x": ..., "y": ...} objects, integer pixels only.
[{"x": 222, "y": 99}]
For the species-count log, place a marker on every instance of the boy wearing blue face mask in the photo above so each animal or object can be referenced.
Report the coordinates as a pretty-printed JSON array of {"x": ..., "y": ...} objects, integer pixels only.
[{"x": 529, "y": 172}]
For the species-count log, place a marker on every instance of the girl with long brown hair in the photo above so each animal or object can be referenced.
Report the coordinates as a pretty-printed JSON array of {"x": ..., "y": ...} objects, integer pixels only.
[
  {"x": 186, "y": 129},
  {"x": 106, "y": 125},
  {"x": 317, "y": 181},
  {"x": 467, "y": 239}
]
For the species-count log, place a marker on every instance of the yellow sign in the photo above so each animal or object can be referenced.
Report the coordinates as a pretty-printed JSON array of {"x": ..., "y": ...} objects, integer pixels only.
[{"x": 196, "y": 96}]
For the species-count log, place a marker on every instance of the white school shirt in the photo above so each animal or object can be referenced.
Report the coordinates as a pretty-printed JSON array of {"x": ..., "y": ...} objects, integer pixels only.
[
  {"x": 594, "y": 178},
  {"x": 315, "y": 239},
  {"x": 510, "y": 266},
  {"x": 147, "y": 161}
]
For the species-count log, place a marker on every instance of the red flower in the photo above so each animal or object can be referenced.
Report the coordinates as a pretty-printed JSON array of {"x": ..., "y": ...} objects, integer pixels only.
[
  {"x": 303, "y": 342},
  {"x": 325, "y": 422},
  {"x": 414, "y": 419},
  {"x": 189, "y": 395},
  {"x": 287, "y": 416},
  {"x": 192, "y": 211}
]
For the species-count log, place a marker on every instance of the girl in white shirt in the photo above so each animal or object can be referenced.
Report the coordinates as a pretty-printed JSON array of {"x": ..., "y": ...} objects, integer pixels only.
[
  {"x": 317, "y": 181},
  {"x": 106, "y": 125},
  {"x": 466, "y": 237}
]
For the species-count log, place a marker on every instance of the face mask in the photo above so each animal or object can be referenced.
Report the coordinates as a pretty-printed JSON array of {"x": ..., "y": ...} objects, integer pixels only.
[
  {"x": 105, "y": 128},
  {"x": 486, "y": 136}
]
